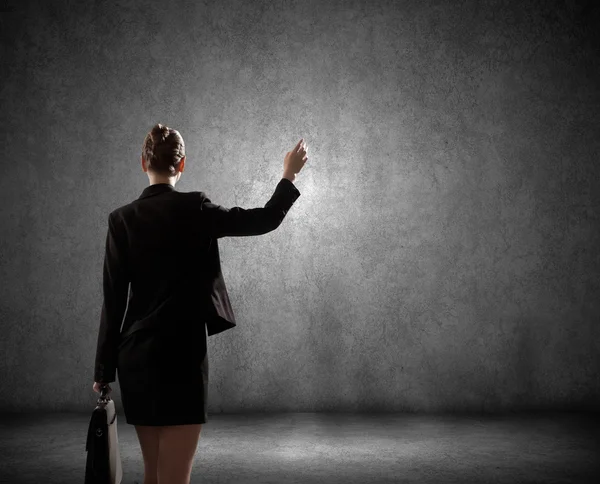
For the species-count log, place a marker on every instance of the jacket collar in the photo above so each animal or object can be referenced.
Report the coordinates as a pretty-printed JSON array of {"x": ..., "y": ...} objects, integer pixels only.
[{"x": 155, "y": 189}]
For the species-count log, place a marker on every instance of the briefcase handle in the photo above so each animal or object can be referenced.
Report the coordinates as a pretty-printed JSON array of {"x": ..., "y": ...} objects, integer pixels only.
[{"x": 104, "y": 394}]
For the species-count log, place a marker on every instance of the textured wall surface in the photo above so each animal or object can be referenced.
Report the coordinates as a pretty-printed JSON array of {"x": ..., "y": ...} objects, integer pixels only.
[{"x": 443, "y": 256}]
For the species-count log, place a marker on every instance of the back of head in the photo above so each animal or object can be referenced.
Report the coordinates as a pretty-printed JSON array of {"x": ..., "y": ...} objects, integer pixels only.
[{"x": 163, "y": 150}]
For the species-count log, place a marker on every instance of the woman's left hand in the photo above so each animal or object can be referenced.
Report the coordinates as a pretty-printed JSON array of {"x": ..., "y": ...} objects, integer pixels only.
[{"x": 98, "y": 387}]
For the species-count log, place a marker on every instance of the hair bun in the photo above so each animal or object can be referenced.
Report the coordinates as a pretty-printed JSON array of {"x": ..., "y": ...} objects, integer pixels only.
[{"x": 159, "y": 134}]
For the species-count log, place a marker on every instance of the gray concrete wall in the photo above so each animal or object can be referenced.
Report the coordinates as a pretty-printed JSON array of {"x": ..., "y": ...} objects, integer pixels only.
[{"x": 443, "y": 255}]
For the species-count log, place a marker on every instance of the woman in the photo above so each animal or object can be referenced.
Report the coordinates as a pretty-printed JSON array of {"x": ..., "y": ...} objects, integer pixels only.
[{"x": 163, "y": 292}]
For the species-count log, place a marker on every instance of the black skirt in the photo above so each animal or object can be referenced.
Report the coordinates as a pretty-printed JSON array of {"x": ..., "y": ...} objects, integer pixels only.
[{"x": 163, "y": 376}]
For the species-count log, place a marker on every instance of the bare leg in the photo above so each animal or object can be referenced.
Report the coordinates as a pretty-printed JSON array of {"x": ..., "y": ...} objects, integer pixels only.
[
  {"x": 177, "y": 444},
  {"x": 148, "y": 437}
]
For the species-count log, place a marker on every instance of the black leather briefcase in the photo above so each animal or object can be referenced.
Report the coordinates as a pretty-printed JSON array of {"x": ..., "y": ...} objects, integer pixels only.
[{"x": 103, "y": 464}]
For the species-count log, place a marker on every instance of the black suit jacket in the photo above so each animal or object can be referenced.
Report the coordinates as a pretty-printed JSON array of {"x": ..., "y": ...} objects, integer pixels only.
[{"x": 162, "y": 264}]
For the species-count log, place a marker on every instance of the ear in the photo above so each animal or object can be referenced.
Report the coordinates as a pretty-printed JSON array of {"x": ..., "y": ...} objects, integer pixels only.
[
  {"x": 182, "y": 164},
  {"x": 143, "y": 165}
]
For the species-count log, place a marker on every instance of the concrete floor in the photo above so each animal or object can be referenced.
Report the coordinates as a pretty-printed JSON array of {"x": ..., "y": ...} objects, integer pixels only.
[{"x": 329, "y": 448}]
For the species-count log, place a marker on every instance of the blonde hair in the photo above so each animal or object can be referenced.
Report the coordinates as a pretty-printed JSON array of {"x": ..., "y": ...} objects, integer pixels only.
[{"x": 163, "y": 150}]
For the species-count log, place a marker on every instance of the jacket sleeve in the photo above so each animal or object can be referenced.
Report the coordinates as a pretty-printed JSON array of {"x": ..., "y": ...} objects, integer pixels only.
[
  {"x": 115, "y": 288},
  {"x": 227, "y": 222}
]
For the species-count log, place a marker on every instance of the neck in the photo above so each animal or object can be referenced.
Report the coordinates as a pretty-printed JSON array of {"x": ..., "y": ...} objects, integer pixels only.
[{"x": 169, "y": 180}]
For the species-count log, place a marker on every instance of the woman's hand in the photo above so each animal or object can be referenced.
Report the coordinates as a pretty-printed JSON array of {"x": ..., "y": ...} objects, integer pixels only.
[
  {"x": 295, "y": 160},
  {"x": 98, "y": 387}
]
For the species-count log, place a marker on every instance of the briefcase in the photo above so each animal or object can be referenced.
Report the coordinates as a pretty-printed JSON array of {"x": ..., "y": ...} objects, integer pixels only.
[{"x": 103, "y": 464}]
